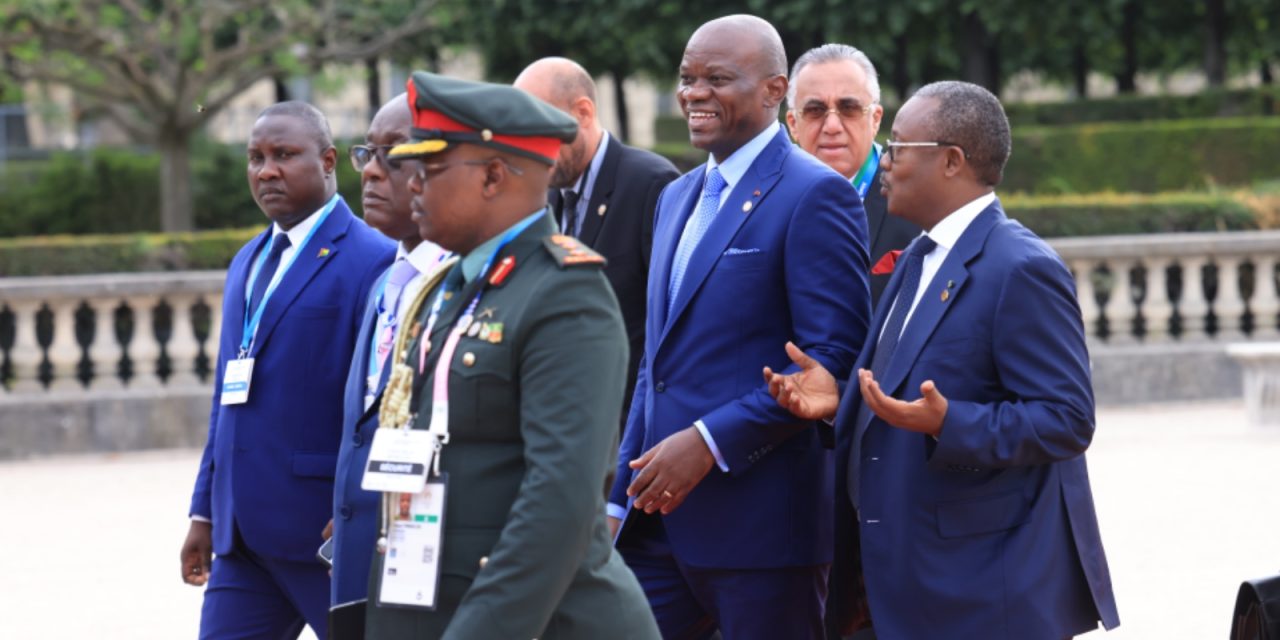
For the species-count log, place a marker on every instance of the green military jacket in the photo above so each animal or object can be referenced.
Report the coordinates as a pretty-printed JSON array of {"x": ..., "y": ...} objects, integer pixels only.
[{"x": 533, "y": 405}]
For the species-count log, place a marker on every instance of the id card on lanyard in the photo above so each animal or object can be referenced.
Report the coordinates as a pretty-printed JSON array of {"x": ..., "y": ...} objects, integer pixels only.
[
  {"x": 238, "y": 376},
  {"x": 410, "y": 574}
]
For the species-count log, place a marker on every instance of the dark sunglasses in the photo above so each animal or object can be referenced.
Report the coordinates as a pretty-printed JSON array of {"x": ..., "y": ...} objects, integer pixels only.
[{"x": 361, "y": 154}]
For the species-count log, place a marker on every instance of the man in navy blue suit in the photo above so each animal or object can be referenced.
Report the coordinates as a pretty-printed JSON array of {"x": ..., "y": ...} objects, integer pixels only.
[
  {"x": 290, "y": 311},
  {"x": 961, "y": 448},
  {"x": 387, "y": 207},
  {"x": 726, "y": 497}
]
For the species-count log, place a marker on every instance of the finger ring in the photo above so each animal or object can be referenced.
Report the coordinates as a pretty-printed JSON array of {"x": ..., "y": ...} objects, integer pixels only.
[{"x": 668, "y": 494}]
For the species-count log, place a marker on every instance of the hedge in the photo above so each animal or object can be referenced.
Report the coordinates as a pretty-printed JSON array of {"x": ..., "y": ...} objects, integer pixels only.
[
  {"x": 1211, "y": 103},
  {"x": 1051, "y": 216},
  {"x": 109, "y": 190},
  {"x": 1141, "y": 157}
]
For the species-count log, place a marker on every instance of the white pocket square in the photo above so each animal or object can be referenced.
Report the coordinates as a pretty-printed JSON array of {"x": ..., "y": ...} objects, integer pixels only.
[{"x": 734, "y": 251}]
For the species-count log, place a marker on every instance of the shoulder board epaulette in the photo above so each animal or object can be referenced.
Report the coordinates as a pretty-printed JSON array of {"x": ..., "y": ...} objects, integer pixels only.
[{"x": 568, "y": 252}]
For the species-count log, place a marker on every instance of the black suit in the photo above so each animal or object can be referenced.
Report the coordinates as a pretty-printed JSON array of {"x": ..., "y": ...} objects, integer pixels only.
[
  {"x": 619, "y": 225},
  {"x": 887, "y": 233}
]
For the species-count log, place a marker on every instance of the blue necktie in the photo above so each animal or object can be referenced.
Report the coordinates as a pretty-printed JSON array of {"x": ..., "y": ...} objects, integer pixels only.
[
  {"x": 279, "y": 242},
  {"x": 694, "y": 230},
  {"x": 913, "y": 265}
]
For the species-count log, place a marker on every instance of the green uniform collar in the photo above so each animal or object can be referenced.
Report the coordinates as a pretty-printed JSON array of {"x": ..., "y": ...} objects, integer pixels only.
[{"x": 474, "y": 261}]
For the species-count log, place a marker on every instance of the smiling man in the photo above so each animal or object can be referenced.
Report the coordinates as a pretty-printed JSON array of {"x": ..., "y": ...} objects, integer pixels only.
[
  {"x": 290, "y": 311},
  {"x": 835, "y": 114},
  {"x": 386, "y": 201},
  {"x": 726, "y": 496}
]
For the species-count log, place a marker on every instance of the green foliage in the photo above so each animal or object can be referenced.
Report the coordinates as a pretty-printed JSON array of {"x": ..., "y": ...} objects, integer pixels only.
[
  {"x": 1143, "y": 157},
  {"x": 1125, "y": 214},
  {"x": 67, "y": 255},
  {"x": 117, "y": 191}
]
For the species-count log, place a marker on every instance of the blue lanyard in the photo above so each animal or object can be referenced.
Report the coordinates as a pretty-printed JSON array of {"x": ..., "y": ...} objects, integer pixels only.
[
  {"x": 438, "y": 302},
  {"x": 862, "y": 181},
  {"x": 250, "y": 330}
]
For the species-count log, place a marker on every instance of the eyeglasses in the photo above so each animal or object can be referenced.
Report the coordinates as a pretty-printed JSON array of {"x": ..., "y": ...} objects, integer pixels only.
[
  {"x": 361, "y": 155},
  {"x": 427, "y": 170},
  {"x": 894, "y": 144},
  {"x": 846, "y": 109}
]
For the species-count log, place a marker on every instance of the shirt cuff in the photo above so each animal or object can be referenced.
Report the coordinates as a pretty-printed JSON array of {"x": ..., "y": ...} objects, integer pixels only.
[
  {"x": 711, "y": 444},
  {"x": 615, "y": 510},
  {"x": 198, "y": 518}
]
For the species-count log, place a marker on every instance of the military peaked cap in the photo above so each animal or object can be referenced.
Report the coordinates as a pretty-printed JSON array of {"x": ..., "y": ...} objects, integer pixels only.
[{"x": 448, "y": 111}]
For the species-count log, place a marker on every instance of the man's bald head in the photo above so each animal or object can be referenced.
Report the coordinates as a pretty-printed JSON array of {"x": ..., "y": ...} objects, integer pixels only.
[
  {"x": 565, "y": 85},
  {"x": 557, "y": 81},
  {"x": 763, "y": 38}
]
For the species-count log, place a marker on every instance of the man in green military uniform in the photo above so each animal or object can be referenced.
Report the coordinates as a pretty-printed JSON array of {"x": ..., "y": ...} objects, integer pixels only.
[{"x": 515, "y": 366}]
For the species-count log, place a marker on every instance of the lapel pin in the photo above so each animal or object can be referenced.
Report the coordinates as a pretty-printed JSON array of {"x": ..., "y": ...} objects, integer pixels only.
[
  {"x": 951, "y": 283},
  {"x": 600, "y": 211},
  {"x": 324, "y": 252},
  {"x": 946, "y": 295},
  {"x": 746, "y": 207},
  {"x": 755, "y": 194}
]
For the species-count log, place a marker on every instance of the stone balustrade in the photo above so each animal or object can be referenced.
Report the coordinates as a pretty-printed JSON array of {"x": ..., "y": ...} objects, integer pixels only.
[
  {"x": 122, "y": 361},
  {"x": 108, "y": 332},
  {"x": 1185, "y": 287}
]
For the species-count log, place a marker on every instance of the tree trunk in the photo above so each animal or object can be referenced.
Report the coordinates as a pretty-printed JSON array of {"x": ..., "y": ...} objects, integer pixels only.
[
  {"x": 373, "y": 85},
  {"x": 175, "y": 182},
  {"x": 620, "y": 99},
  {"x": 1264, "y": 72},
  {"x": 282, "y": 89},
  {"x": 1080, "y": 70},
  {"x": 981, "y": 56},
  {"x": 1215, "y": 51},
  {"x": 1127, "y": 77},
  {"x": 901, "y": 72}
]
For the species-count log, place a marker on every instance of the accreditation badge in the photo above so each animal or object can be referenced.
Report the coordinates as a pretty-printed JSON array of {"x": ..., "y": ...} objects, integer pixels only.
[
  {"x": 235, "y": 381},
  {"x": 399, "y": 460},
  {"x": 410, "y": 573}
]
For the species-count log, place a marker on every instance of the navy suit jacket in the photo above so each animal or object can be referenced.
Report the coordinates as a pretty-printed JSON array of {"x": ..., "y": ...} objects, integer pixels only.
[
  {"x": 268, "y": 465},
  {"x": 989, "y": 531},
  {"x": 784, "y": 259}
]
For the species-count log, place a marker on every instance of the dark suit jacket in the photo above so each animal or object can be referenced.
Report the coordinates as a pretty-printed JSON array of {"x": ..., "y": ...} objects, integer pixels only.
[
  {"x": 888, "y": 233},
  {"x": 532, "y": 422},
  {"x": 989, "y": 531},
  {"x": 784, "y": 259},
  {"x": 268, "y": 464},
  {"x": 619, "y": 225}
]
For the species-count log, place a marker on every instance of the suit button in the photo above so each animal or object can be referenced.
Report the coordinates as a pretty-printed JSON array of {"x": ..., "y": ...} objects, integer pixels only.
[
  {"x": 357, "y": 439},
  {"x": 345, "y": 512},
  {"x": 660, "y": 387},
  {"x": 483, "y": 561}
]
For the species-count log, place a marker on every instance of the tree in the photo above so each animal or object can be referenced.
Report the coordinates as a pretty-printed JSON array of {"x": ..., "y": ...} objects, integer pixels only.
[{"x": 162, "y": 68}]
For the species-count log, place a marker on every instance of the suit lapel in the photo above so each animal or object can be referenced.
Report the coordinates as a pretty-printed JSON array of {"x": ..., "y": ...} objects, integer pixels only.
[
  {"x": 934, "y": 304},
  {"x": 847, "y": 411},
  {"x": 666, "y": 236},
  {"x": 875, "y": 217},
  {"x": 601, "y": 190},
  {"x": 306, "y": 264},
  {"x": 754, "y": 187},
  {"x": 234, "y": 292}
]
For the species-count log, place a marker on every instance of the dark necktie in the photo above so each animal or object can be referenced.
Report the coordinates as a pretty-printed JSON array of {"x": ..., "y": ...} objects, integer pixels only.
[
  {"x": 913, "y": 266},
  {"x": 279, "y": 242},
  {"x": 569, "y": 213}
]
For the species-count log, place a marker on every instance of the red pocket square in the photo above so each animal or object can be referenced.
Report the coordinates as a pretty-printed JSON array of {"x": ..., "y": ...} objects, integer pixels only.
[{"x": 884, "y": 266}]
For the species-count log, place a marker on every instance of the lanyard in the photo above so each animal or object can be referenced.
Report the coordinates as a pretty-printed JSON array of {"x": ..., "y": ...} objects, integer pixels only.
[
  {"x": 250, "y": 330},
  {"x": 392, "y": 319},
  {"x": 862, "y": 181},
  {"x": 440, "y": 388}
]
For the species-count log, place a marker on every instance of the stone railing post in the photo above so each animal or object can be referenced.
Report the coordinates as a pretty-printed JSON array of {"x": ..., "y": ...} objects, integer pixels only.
[
  {"x": 1089, "y": 310},
  {"x": 1229, "y": 306},
  {"x": 1120, "y": 307},
  {"x": 183, "y": 346},
  {"x": 144, "y": 350},
  {"x": 1192, "y": 305},
  {"x": 1156, "y": 308},
  {"x": 64, "y": 351},
  {"x": 26, "y": 354},
  {"x": 105, "y": 351}
]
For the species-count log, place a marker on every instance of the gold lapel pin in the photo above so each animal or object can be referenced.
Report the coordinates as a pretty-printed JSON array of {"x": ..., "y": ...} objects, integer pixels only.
[{"x": 946, "y": 295}]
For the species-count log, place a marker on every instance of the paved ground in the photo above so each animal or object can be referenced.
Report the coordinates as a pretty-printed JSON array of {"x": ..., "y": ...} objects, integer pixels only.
[{"x": 1186, "y": 496}]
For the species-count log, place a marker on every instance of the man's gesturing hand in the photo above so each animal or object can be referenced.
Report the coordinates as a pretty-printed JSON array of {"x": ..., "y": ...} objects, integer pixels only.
[
  {"x": 197, "y": 553},
  {"x": 669, "y": 471},
  {"x": 810, "y": 393},
  {"x": 922, "y": 416}
]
